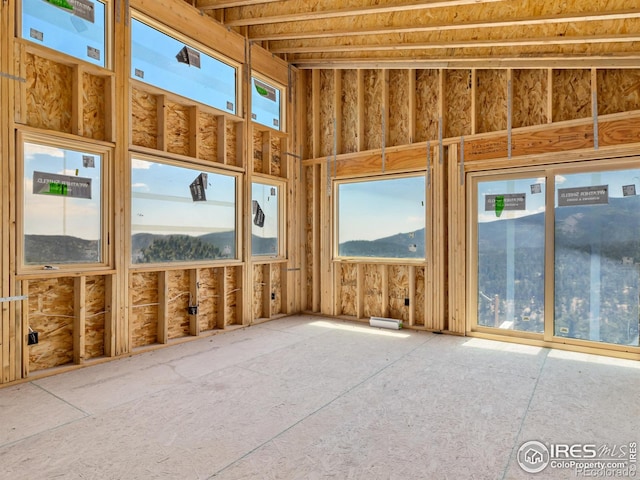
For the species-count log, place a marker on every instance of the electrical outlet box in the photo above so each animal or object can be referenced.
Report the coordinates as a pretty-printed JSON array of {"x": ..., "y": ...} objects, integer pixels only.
[
  {"x": 273, "y": 296},
  {"x": 406, "y": 302}
]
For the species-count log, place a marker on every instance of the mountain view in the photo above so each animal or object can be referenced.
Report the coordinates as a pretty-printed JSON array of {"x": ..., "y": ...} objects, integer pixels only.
[
  {"x": 597, "y": 266},
  {"x": 401, "y": 245}
]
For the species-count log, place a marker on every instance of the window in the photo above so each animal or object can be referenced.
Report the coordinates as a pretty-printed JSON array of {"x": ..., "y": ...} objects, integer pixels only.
[
  {"x": 265, "y": 104},
  {"x": 181, "y": 214},
  {"x": 167, "y": 63},
  {"x": 62, "y": 219},
  {"x": 382, "y": 218},
  {"x": 265, "y": 224},
  {"x": 74, "y": 27}
]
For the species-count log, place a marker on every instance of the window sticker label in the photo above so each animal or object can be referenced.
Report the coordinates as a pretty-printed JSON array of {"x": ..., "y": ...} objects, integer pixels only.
[
  {"x": 83, "y": 9},
  {"x": 509, "y": 201},
  {"x": 93, "y": 53},
  {"x": 36, "y": 34},
  {"x": 265, "y": 90},
  {"x": 63, "y": 185},
  {"x": 628, "y": 190},
  {"x": 596, "y": 195}
]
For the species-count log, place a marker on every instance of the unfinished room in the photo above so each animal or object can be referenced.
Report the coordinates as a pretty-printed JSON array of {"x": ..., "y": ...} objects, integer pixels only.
[{"x": 350, "y": 239}]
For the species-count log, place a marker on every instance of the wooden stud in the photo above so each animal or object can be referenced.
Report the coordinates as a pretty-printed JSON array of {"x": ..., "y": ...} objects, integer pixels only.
[
  {"x": 315, "y": 108},
  {"x": 77, "y": 104},
  {"x": 109, "y": 317},
  {"x": 194, "y": 131},
  {"x": 412, "y": 295},
  {"x": 412, "y": 72},
  {"x": 474, "y": 101},
  {"x": 222, "y": 297},
  {"x": 266, "y": 290},
  {"x": 361, "y": 112},
  {"x": 337, "y": 109},
  {"x": 194, "y": 289},
  {"x": 549, "y": 95},
  {"x": 385, "y": 290},
  {"x": 163, "y": 307},
  {"x": 162, "y": 123},
  {"x": 79, "y": 320}
]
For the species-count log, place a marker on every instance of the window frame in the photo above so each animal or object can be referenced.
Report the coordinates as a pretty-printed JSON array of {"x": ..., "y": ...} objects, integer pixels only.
[
  {"x": 283, "y": 95},
  {"x": 107, "y": 36},
  {"x": 200, "y": 47},
  {"x": 106, "y": 201},
  {"x": 336, "y": 220},
  {"x": 196, "y": 167},
  {"x": 282, "y": 220}
]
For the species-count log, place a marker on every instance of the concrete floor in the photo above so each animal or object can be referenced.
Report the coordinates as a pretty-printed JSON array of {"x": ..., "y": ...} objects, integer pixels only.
[{"x": 309, "y": 398}]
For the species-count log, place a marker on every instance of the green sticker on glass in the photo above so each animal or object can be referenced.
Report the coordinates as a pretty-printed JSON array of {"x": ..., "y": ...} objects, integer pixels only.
[
  {"x": 499, "y": 206},
  {"x": 61, "y": 4},
  {"x": 57, "y": 188}
]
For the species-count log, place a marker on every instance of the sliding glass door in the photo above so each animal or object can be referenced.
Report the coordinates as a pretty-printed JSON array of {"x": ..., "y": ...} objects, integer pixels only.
[{"x": 572, "y": 233}]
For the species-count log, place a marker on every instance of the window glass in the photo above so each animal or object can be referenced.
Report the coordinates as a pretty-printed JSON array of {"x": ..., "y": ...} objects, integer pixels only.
[
  {"x": 74, "y": 27},
  {"x": 181, "y": 214},
  {"x": 164, "y": 62},
  {"x": 62, "y": 206},
  {"x": 382, "y": 218},
  {"x": 265, "y": 103},
  {"x": 264, "y": 224},
  {"x": 597, "y": 256}
]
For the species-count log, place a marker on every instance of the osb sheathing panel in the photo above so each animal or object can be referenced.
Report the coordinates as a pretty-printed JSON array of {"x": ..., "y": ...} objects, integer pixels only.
[
  {"x": 530, "y": 94},
  {"x": 276, "y": 157},
  {"x": 399, "y": 111},
  {"x": 144, "y": 310},
  {"x": 93, "y": 110},
  {"x": 257, "y": 152},
  {"x": 348, "y": 124},
  {"x": 208, "y": 298},
  {"x": 208, "y": 137},
  {"x": 373, "y": 83},
  {"x": 398, "y": 291},
  {"x": 94, "y": 317},
  {"x": 348, "y": 288},
  {"x": 426, "y": 94},
  {"x": 308, "y": 228},
  {"x": 276, "y": 287},
  {"x": 177, "y": 140},
  {"x": 144, "y": 121},
  {"x": 571, "y": 94},
  {"x": 420, "y": 296},
  {"x": 233, "y": 282},
  {"x": 373, "y": 290},
  {"x": 457, "y": 86},
  {"x": 618, "y": 91},
  {"x": 327, "y": 111},
  {"x": 491, "y": 100},
  {"x": 49, "y": 97},
  {"x": 51, "y": 315},
  {"x": 178, "y": 317},
  {"x": 232, "y": 144},
  {"x": 309, "y": 114},
  {"x": 258, "y": 291}
]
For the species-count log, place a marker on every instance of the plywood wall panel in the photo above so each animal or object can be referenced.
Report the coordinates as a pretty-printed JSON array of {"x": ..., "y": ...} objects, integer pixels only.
[
  {"x": 95, "y": 316},
  {"x": 276, "y": 287},
  {"x": 327, "y": 111},
  {"x": 398, "y": 292},
  {"x": 49, "y": 94},
  {"x": 373, "y": 84},
  {"x": 348, "y": 288},
  {"x": 208, "y": 298},
  {"x": 618, "y": 90},
  {"x": 178, "y": 317},
  {"x": 144, "y": 308},
  {"x": 399, "y": 107},
  {"x": 373, "y": 290},
  {"x": 420, "y": 297},
  {"x": 457, "y": 86},
  {"x": 232, "y": 144},
  {"x": 208, "y": 137},
  {"x": 571, "y": 94},
  {"x": 144, "y": 119},
  {"x": 257, "y": 152},
  {"x": 51, "y": 315},
  {"x": 427, "y": 117},
  {"x": 349, "y": 121},
  {"x": 177, "y": 128},
  {"x": 491, "y": 100},
  {"x": 276, "y": 156},
  {"x": 530, "y": 97},
  {"x": 233, "y": 285},
  {"x": 93, "y": 102}
]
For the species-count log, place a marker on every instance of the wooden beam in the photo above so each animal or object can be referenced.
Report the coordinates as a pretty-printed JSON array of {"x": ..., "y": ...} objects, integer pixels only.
[
  {"x": 207, "y": 5},
  {"x": 428, "y": 44},
  {"x": 194, "y": 289},
  {"x": 79, "y": 318},
  {"x": 163, "y": 307},
  {"x": 569, "y": 18},
  {"x": 386, "y": 7}
]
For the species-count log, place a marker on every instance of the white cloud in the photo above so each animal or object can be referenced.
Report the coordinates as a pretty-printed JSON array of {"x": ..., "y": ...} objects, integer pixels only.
[
  {"x": 33, "y": 149},
  {"x": 138, "y": 164}
]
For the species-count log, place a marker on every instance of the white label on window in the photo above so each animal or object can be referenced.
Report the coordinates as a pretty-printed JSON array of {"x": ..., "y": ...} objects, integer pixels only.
[
  {"x": 93, "y": 53},
  {"x": 139, "y": 73},
  {"x": 88, "y": 161},
  {"x": 36, "y": 34},
  {"x": 229, "y": 106}
]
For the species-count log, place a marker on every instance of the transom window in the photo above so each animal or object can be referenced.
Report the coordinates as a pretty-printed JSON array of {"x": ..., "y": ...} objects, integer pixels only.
[{"x": 266, "y": 106}]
